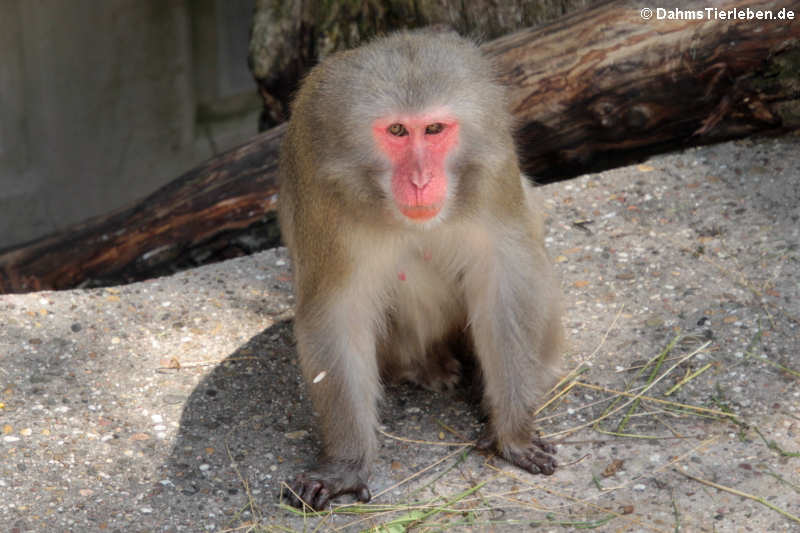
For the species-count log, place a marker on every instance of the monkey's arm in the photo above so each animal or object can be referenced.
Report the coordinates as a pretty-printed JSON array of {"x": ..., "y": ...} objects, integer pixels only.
[
  {"x": 514, "y": 315},
  {"x": 336, "y": 346}
]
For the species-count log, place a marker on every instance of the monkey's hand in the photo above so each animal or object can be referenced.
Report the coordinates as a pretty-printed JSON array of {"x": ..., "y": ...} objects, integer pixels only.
[
  {"x": 535, "y": 457},
  {"x": 316, "y": 488}
]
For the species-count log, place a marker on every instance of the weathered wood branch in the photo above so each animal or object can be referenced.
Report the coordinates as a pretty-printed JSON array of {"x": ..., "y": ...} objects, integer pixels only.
[
  {"x": 592, "y": 90},
  {"x": 605, "y": 86},
  {"x": 201, "y": 212}
]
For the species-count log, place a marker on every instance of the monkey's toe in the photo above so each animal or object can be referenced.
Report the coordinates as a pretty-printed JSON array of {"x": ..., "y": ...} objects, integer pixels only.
[{"x": 309, "y": 490}]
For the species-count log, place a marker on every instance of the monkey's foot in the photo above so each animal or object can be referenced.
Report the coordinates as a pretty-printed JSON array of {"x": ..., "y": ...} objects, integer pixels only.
[
  {"x": 316, "y": 488},
  {"x": 536, "y": 457},
  {"x": 439, "y": 372},
  {"x": 438, "y": 375}
]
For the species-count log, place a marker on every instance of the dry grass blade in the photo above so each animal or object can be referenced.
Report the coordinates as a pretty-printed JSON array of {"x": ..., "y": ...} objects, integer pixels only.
[
  {"x": 633, "y": 396},
  {"x": 758, "y": 499},
  {"x": 628, "y": 518}
]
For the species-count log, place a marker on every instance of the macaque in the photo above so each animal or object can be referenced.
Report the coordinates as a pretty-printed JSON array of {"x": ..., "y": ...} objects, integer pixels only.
[{"x": 410, "y": 226}]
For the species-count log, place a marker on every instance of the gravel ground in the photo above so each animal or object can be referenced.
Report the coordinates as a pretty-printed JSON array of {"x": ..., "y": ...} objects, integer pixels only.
[{"x": 176, "y": 404}]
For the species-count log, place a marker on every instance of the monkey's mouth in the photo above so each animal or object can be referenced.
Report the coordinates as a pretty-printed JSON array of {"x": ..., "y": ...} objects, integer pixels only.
[{"x": 420, "y": 212}]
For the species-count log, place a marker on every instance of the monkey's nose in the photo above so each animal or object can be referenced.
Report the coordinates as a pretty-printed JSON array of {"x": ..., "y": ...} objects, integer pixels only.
[{"x": 420, "y": 179}]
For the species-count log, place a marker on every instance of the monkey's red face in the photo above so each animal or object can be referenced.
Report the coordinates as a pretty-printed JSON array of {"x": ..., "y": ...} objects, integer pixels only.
[{"x": 417, "y": 145}]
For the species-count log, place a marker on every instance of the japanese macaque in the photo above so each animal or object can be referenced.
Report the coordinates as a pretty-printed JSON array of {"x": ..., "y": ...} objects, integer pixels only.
[{"x": 410, "y": 226}]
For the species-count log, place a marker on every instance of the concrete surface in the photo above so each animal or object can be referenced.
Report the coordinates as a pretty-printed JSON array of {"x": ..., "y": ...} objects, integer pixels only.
[{"x": 176, "y": 404}]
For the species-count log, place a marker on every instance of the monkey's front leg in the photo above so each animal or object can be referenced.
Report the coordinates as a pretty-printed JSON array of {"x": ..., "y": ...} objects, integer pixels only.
[
  {"x": 336, "y": 346},
  {"x": 516, "y": 326}
]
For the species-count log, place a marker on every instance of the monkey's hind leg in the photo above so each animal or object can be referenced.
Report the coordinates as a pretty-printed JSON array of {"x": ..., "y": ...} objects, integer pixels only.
[
  {"x": 436, "y": 368},
  {"x": 440, "y": 370}
]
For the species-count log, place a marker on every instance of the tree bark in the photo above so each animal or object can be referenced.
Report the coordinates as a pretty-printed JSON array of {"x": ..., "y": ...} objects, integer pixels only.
[
  {"x": 596, "y": 89},
  {"x": 604, "y": 87},
  {"x": 214, "y": 211}
]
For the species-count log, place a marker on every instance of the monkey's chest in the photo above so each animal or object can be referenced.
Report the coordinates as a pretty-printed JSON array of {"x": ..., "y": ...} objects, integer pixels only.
[
  {"x": 425, "y": 300},
  {"x": 425, "y": 318}
]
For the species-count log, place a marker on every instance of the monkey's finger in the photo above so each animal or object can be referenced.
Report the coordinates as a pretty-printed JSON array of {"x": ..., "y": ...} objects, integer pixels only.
[
  {"x": 542, "y": 462},
  {"x": 303, "y": 492},
  {"x": 362, "y": 493},
  {"x": 294, "y": 501},
  {"x": 321, "y": 497},
  {"x": 543, "y": 445},
  {"x": 486, "y": 442},
  {"x": 309, "y": 492}
]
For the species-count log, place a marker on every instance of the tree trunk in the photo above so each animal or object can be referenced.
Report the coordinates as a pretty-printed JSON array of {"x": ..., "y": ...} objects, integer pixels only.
[
  {"x": 598, "y": 88},
  {"x": 288, "y": 38}
]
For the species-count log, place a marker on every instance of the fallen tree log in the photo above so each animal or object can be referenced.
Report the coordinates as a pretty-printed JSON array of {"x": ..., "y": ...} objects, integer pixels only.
[
  {"x": 598, "y": 88},
  {"x": 191, "y": 220},
  {"x": 605, "y": 86}
]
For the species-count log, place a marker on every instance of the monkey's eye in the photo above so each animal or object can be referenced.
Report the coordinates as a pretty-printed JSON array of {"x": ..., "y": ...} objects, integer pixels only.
[
  {"x": 398, "y": 130},
  {"x": 433, "y": 129}
]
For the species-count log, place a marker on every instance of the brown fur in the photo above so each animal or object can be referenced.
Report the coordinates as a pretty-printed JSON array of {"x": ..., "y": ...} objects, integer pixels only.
[{"x": 477, "y": 273}]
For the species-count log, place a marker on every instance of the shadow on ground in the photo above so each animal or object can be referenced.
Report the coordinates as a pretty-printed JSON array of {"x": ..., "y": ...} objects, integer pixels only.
[{"x": 248, "y": 426}]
